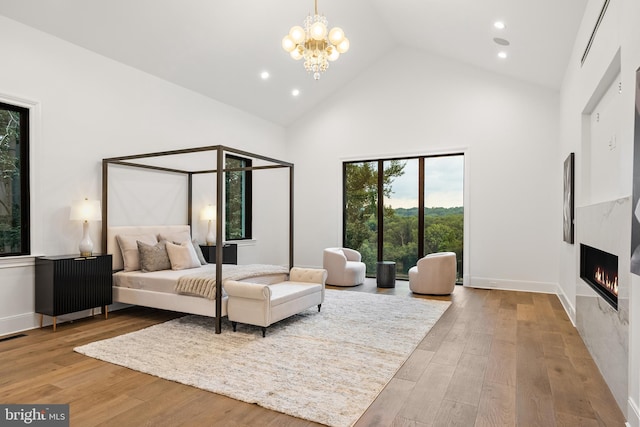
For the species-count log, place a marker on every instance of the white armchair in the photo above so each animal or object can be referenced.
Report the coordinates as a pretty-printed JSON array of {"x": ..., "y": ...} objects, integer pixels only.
[
  {"x": 344, "y": 267},
  {"x": 434, "y": 274}
]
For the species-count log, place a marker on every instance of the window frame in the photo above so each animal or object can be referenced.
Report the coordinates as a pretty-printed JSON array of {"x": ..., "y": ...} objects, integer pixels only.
[
  {"x": 247, "y": 197},
  {"x": 25, "y": 206}
]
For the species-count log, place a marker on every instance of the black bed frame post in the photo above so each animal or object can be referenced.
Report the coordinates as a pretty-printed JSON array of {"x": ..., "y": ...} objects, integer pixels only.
[
  {"x": 190, "y": 200},
  {"x": 105, "y": 177},
  {"x": 219, "y": 190},
  {"x": 290, "y": 217}
]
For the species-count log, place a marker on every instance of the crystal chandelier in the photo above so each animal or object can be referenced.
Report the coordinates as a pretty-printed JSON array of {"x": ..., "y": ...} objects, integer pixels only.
[{"x": 315, "y": 43}]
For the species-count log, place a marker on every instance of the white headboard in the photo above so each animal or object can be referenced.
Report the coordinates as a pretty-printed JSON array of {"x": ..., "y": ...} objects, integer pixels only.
[{"x": 112, "y": 243}]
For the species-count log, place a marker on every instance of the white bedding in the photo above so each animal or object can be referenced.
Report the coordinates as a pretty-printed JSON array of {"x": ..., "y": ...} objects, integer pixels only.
[{"x": 165, "y": 280}]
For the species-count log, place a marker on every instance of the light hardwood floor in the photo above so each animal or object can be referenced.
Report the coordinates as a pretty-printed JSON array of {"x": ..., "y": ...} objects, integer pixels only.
[{"x": 495, "y": 358}]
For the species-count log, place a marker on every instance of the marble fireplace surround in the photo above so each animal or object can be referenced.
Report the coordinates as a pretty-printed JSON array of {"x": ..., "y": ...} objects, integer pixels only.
[{"x": 604, "y": 330}]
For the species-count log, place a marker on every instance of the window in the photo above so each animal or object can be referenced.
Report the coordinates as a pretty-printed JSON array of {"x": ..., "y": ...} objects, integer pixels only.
[
  {"x": 237, "y": 199},
  {"x": 402, "y": 209},
  {"x": 14, "y": 180}
]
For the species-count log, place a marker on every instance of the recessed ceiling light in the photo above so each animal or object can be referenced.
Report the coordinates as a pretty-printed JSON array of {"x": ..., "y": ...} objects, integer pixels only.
[
  {"x": 295, "y": 92},
  {"x": 502, "y": 54},
  {"x": 264, "y": 75},
  {"x": 501, "y": 42},
  {"x": 499, "y": 25}
]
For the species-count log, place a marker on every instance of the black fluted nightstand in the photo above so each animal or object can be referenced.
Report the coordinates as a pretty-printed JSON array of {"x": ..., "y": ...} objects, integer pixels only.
[
  {"x": 69, "y": 283},
  {"x": 229, "y": 253}
]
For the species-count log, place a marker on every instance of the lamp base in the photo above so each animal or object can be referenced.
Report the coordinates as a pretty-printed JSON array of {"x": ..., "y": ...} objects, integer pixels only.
[
  {"x": 86, "y": 245},
  {"x": 211, "y": 237}
]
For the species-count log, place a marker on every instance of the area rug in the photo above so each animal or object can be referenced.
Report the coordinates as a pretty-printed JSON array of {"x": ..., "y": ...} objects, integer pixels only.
[{"x": 326, "y": 367}]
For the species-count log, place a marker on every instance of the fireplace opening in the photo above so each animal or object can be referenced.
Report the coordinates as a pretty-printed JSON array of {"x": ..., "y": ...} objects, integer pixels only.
[{"x": 600, "y": 270}]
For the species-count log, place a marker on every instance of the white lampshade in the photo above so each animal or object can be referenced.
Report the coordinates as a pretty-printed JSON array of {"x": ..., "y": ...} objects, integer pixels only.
[
  {"x": 208, "y": 213},
  {"x": 86, "y": 210}
]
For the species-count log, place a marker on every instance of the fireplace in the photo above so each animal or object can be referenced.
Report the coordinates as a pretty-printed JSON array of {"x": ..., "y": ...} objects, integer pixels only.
[{"x": 600, "y": 270}]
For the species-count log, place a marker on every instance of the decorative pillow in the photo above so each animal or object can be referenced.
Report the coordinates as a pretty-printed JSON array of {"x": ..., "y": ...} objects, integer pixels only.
[
  {"x": 182, "y": 256},
  {"x": 196, "y": 246},
  {"x": 153, "y": 257},
  {"x": 177, "y": 236},
  {"x": 129, "y": 247}
]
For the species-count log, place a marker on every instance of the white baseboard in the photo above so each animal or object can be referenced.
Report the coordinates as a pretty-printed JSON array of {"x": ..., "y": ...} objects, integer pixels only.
[
  {"x": 512, "y": 285},
  {"x": 24, "y": 322},
  {"x": 568, "y": 307},
  {"x": 633, "y": 414}
]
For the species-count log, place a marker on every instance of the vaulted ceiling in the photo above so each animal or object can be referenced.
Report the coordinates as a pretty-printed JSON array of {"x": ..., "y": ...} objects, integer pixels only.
[{"x": 219, "y": 48}]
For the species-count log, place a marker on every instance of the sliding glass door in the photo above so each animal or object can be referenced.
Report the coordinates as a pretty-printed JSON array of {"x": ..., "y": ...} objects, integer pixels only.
[
  {"x": 361, "y": 211},
  {"x": 402, "y": 209},
  {"x": 400, "y": 225},
  {"x": 444, "y": 206}
]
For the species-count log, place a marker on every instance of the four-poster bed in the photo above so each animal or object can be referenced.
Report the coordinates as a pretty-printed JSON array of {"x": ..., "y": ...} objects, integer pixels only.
[{"x": 180, "y": 302}]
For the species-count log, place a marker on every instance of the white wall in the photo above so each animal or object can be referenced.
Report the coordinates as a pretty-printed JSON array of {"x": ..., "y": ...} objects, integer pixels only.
[
  {"x": 616, "y": 49},
  {"x": 93, "y": 108},
  {"x": 414, "y": 103}
]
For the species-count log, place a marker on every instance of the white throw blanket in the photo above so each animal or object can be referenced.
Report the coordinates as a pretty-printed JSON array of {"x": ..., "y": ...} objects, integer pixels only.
[{"x": 204, "y": 284}]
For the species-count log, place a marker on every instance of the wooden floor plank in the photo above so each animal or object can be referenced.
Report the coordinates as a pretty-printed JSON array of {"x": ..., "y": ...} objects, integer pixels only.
[
  {"x": 453, "y": 413},
  {"x": 534, "y": 402},
  {"x": 596, "y": 391},
  {"x": 465, "y": 385},
  {"x": 567, "y": 388},
  {"x": 385, "y": 409},
  {"x": 501, "y": 363},
  {"x": 414, "y": 366},
  {"x": 478, "y": 343},
  {"x": 497, "y": 406},
  {"x": 427, "y": 395}
]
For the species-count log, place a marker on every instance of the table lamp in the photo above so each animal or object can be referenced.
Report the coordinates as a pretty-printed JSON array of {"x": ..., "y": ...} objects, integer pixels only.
[
  {"x": 86, "y": 210},
  {"x": 209, "y": 214}
]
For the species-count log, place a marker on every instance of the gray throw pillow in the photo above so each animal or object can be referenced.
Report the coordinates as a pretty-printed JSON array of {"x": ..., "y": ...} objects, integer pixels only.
[
  {"x": 153, "y": 257},
  {"x": 199, "y": 253}
]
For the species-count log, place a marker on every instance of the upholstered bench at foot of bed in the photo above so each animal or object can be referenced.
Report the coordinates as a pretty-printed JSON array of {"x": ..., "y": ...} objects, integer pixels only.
[{"x": 263, "y": 305}]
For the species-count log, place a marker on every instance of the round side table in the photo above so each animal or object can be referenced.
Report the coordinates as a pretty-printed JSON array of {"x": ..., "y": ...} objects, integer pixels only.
[{"x": 386, "y": 274}]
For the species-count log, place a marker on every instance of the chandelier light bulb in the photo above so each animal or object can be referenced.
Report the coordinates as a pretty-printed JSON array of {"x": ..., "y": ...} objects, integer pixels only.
[
  {"x": 336, "y": 35},
  {"x": 343, "y": 46},
  {"x": 296, "y": 54},
  {"x": 297, "y": 34},
  {"x": 333, "y": 53},
  {"x": 318, "y": 31},
  {"x": 288, "y": 44}
]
